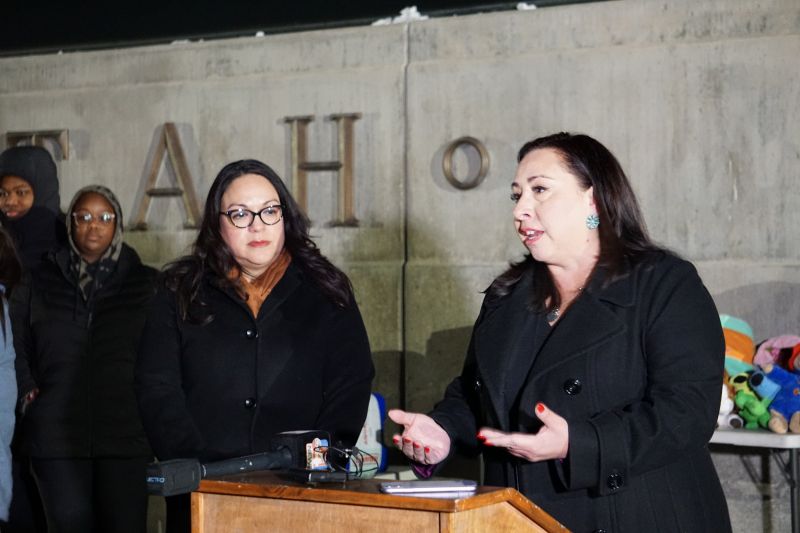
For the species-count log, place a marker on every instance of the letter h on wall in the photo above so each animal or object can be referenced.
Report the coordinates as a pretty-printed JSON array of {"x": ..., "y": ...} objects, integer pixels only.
[{"x": 301, "y": 166}]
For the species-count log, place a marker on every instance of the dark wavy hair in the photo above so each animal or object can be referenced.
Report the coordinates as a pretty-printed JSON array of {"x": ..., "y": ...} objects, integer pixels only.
[
  {"x": 10, "y": 268},
  {"x": 623, "y": 235},
  {"x": 211, "y": 256}
]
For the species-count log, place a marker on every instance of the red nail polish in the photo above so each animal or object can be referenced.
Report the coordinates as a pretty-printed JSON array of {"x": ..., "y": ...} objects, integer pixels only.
[
  {"x": 539, "y": 408},
  {"x": 396, "y": 439},
  {"x": 406, "y": 440},
  {"x": 427, "y": 449},
  {"x": 416, "y": 445},
  {"x": 481, "y": 438}
]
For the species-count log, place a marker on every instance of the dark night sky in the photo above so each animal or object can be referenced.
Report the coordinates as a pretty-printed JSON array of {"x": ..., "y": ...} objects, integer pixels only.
[
  {"x": 50, "y": 25},
  {"x": 46, "y": 26}
]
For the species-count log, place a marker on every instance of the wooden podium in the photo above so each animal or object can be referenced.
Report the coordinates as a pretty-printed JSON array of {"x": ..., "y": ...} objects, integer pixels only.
[{"x": 263, "y": 501}]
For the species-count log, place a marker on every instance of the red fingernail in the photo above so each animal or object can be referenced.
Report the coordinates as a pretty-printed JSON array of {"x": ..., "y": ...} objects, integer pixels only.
[
  {"x": 396, "y": 439},
  {"x": 540, "y": 408},
  {"x": 487, "y": 443},
  {"x": 427, "y": 449},
  {"x": 416, "y": 445},
  {"x": 406, "y": 440},
  {"x": 481, "y": 437}
]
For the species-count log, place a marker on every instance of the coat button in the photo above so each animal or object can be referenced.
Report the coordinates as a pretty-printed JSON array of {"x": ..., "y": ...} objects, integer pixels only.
[
  {"x": 477, "y": 385},
  {"x": 573, "y": 386},
  {"x": 251, "y": 334},
  {"x": 615, "y": 481},
  {"x": 250, "y": 403}
]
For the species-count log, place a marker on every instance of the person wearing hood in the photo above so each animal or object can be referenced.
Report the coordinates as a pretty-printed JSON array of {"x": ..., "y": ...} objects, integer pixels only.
[
  {"x": 29, "y": 202},
  {"x": 80, "y": 319}
]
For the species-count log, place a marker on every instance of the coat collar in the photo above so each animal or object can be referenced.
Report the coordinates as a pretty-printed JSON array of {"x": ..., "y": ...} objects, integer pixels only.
[{"x": 291, "y": 279}]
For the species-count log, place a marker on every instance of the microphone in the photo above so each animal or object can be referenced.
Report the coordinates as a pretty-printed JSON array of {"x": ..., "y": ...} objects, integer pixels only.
[{"x": 292, "y": 449}]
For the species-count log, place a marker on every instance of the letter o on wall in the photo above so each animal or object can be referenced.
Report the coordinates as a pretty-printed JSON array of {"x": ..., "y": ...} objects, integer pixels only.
[{"x": 447, "y": 163}]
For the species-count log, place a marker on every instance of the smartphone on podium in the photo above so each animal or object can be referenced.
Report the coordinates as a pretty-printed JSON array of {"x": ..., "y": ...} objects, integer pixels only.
[{"x": 431, "y": 488}]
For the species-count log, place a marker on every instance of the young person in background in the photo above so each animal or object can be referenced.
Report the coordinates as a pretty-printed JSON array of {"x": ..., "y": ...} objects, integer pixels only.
[
  {"x": 10, "y": 272},
  {"x": 77, "y": 326}
]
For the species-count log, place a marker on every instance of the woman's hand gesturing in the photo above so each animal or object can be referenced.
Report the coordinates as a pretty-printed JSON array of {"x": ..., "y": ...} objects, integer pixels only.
[
  {"x": 423, "y": 440},
  {"x": 550, "y": 442}
]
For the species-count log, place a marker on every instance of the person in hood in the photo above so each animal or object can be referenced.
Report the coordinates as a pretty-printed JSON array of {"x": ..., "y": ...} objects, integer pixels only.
[
  {"x": 81, "y": 316},
  {"x": 29, "y": 202}
]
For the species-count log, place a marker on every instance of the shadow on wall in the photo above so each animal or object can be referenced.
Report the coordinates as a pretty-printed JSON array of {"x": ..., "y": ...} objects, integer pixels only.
[
  {"x": 771, "y": 308},
  {"x": 427, "y": 376}
]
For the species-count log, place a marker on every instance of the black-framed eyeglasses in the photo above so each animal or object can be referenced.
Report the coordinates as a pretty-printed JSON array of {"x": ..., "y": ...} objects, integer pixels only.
[
  {"x": 84, "y": 218},
  {"x": 244, "y": 218}
]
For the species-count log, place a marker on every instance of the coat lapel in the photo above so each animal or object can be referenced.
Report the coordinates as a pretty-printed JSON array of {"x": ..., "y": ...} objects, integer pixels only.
[
  {"x": 498, "y": 340},
  {"x": 589, "y": 322}
]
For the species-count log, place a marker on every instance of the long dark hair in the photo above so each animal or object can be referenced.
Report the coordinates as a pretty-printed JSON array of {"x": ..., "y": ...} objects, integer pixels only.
[
  {"x": 10, "y": 269},
  {"x": 210, "y": 254},
  {"x": 623, "y": 235}
]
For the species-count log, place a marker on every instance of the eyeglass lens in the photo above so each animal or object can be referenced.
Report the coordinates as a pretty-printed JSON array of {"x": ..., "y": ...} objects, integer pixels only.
[
  {"x": 243, "y": 218},
  {"x": 83, "y": 218}
]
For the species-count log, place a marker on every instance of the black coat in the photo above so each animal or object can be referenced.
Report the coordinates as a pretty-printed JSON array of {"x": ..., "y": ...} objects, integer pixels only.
[
  {"x": 81, "y": 356},
  {"x": 222, "y": 389},
  {"x": 635, "y": 368}
]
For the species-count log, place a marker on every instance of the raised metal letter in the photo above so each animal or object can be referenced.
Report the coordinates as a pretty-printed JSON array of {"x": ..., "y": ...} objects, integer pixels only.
[
  {"x": 170, "y": 143},
  {"x": 343, "y": 167},
  {"x": 447, "y": 163}
]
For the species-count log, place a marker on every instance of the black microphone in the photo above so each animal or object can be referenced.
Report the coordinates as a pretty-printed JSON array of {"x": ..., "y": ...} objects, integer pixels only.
[{"x": 179, "y": 476}]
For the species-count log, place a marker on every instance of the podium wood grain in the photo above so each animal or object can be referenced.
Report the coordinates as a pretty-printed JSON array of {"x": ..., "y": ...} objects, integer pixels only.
[{"x": 262, "y": 501}]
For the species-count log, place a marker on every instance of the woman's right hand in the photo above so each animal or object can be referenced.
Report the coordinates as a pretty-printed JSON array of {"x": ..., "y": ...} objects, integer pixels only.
[{"x": 423, "y": 440}]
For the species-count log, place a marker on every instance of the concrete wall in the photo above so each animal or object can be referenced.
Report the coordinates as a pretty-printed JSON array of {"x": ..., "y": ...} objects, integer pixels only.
[{"x": 699, "y": 99}]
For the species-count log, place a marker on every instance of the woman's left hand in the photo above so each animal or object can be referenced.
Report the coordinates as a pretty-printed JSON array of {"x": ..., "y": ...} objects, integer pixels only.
[{"x": 551, "y": 441}]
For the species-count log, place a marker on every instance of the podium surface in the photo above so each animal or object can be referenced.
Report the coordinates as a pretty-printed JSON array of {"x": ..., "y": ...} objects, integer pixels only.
[{"x": 263, "y": 501}]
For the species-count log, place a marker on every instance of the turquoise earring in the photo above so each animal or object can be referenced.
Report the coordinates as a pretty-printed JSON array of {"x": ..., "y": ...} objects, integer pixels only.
[{"x": 592, "y": 221}]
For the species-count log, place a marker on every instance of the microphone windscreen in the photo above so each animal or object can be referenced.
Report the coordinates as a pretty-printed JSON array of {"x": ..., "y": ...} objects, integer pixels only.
[{"x": 176, "y": 476}]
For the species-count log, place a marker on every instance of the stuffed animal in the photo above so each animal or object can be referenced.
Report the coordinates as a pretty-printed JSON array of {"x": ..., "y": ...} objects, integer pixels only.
[
  {"x": 752, "y": 409},
  {"x": 727, "y": 418},
  {"x": 785, "y": 408},
  {"x": 739, "y": 344},
  {"x": 794, "y": 359},
  {"x": 777, "y": 350}
]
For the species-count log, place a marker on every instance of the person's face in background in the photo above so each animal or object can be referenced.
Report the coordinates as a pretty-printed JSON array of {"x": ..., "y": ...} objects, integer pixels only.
[
  {"x": 256, "y": 247},
  {"x": 16, "y": 197},
  {"x": 92, "y": 238},
  {"x": 551, "y": 210}
]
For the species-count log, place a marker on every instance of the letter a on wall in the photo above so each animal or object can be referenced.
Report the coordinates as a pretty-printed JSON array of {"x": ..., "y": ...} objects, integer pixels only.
[{"x": 169, "y": 143}]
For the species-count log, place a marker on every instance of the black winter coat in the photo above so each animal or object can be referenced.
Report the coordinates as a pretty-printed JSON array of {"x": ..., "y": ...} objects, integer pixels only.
[
  {"x": 222, "y": 389},
  {"x": 635, "y": 368},
  {"x": 81, "y": 356}
]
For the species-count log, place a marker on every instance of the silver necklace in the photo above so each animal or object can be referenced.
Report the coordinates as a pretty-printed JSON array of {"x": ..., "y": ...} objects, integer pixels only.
[{"x": 553, "y": 315}]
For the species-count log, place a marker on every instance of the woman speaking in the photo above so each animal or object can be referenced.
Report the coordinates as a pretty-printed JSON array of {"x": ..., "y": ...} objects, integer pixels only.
[{"x": 591, "y": 383}]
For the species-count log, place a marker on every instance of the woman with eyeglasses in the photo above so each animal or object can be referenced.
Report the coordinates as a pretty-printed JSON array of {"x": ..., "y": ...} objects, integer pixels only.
[
  {"x": 254, "y": 333},
  {"x": 77, "y": 326}
]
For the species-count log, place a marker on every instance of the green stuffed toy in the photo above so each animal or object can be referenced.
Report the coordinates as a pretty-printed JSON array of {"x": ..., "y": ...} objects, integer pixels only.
[{"x": 752, "y": 409}]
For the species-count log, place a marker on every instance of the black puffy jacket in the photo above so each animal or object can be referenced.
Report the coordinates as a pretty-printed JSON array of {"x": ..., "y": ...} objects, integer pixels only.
[{"x": 81, "y": 356}]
